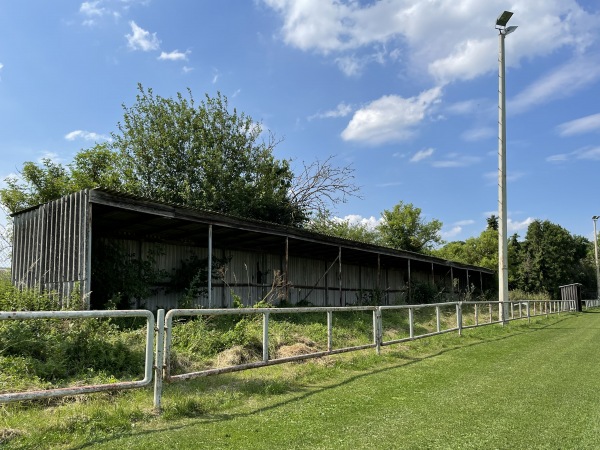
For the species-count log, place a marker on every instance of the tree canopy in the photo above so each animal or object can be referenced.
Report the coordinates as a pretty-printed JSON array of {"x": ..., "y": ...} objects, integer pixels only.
[
  {"x": 548, "y": 257},
  {"x": 197, "y": 154},
  {"x": 404, "y": 228}
]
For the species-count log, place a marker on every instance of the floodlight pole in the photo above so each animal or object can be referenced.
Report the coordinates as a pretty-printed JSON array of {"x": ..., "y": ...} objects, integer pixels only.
[
  {"x": 502, "y": 209},
  {"x": 595, "y": 218}
]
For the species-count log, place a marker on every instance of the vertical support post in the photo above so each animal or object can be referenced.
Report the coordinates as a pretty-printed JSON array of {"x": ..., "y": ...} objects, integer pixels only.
[
  {"x": 595, "y": 218},
  {"x": 459, "y": 317},
  {"x": 481, "y": 282},
  {"x": 528, "y": 313},
  {"x": 329, "y": 330},
  {"x": 469, "y": 284},
  {"x": 476, "y": 314},
  {"x": 437, "y": 318},
  {"x": 159, "y": 361},
  {"x": 88, "y": 253},
  {"x": 409, "y": 285},
  {"x": 210, "y": 249},
  {"x": 340, "y": 275},
  {"x": 452, "y": 281},
  {"x": 491, "y": 312},
  {"x": 411, "y": 325},
  {"x": 265, "y": 337},
  {"x": 379, "y": 276},
  {"x": 502, "y": 207},
  {"x": 377, "y": 330},
  {"x": 327, "y": 284},
  {"x": 287, "y": 262}
]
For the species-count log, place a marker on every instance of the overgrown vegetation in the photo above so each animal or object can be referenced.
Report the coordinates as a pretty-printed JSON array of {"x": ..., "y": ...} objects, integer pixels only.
[{"x": 361, "y": 393}]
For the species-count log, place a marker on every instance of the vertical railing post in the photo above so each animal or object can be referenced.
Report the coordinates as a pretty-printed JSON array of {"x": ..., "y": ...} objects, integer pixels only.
[
  {"x": 459, "y": 317},
  {"x": 329, "y": 330},
  {"x": 520, "y": 309},
  {"x": 528, "y": 313},
  {"x": 265, "y": 336},
  {"x": 476, "y": 314},
  {"x": 411, "y": 327},
  {"x": 377, "y": 330},
  {"x": 437, "y": 318},
  {"x": 491, "y": 312},
  {"x": 159, "y": 361}
]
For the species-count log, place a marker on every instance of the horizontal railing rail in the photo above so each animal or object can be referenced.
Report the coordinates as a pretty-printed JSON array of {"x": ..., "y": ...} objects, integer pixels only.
[
  {"x": 61, "y": 392},
  {"x": 421, "y": 320}
]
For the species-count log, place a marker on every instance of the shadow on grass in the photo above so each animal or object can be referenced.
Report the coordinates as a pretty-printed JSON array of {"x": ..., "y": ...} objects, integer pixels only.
[{"x": 302, "y": 392}]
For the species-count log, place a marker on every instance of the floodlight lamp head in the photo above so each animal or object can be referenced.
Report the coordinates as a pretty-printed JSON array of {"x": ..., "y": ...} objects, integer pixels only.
[
  {"x": 503, "y": 19},
  {"x": 595, "y": 217},
  {"x": 509, "y": 30}
]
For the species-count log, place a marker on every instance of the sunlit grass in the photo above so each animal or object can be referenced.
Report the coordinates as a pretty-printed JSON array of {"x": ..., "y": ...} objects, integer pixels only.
[{"x": 492, "y": 387}]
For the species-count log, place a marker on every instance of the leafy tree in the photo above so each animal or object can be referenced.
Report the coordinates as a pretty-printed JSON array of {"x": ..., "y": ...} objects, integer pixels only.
[
  {"x": 37, "y": 184},
  {"x": 323, "y": 223},
  {"x": 404, "y": 228},
  {"x": 492, "y": 222},
  {"x": 550, "y": 257},
  {"x": 174, "y": 150},
  {"x": 202, "y": 156},
  {"x": 479, "y": 251}
]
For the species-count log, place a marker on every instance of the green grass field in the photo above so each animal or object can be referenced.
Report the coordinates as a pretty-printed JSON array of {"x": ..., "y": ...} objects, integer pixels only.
[{"x": 514, "y": 387}]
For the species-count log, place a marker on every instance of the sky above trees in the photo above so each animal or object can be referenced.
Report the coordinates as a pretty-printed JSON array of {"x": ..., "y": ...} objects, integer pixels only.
[{"x": 404, "y": 90}]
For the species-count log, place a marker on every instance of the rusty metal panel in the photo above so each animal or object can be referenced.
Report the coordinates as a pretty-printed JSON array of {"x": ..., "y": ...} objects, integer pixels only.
[{"x": 49, "y": 250}]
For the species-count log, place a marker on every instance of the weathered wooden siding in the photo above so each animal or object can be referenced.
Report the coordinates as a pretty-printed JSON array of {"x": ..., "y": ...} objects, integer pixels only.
[
  {"x": 52, "y": 251},
  {"x": 51, "y": 246}
]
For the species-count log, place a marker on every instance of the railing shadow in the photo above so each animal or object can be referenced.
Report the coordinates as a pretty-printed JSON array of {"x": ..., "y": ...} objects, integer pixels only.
[{"x": 303, "y": 394}]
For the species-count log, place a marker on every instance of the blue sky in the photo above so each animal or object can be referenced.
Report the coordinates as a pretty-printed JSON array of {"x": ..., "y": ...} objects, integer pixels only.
[{"x": 404, "y": 90}]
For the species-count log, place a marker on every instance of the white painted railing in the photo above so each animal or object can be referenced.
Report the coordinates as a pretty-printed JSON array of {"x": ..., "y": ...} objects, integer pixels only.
[
  {"x": 61, "y": 392},
  {"x": 477, "y": 313}
]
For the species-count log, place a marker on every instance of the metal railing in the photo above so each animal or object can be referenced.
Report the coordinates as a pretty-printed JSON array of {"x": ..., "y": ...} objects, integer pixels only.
[
  {"x": 531, "y": 309},
  {"x": 422, "y": 320},
  {"x": 61, "y": 392}
]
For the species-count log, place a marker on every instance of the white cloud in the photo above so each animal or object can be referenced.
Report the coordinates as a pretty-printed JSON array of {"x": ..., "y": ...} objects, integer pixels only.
[
  {"x": 350, "y": 65},
  {"x": 86, "y": 135},
  {"x": 175, "y": 55},
  {"x": 451, "y": 233},
  {"x": 342, "y": 110},
  {"x": 52, "y": 156},
  {"x": 456, "y": 160},
  {"x": 356, "y": 219},
  {"x": 586, "y": 153},
  {"x": 579, "y": 126},
  {"x": 562, "y": 82},
  {"x": 515, "y": 226},
  {"x": 92, "y": 9},
  {"x": 187, "y": 69},
  {"x": 390, "y": 118},
  {"x": 465, "y": 107},
  {"x": 421, "y": 155},
  {"x": 589, "y": 153},
  {"x": 449, "y": 39},
  {"x": 478, "y": 134},
  {"x": 140, "y": 39},
  {"x": 464, "y": 223},
  {"x": 558, "y": 158}
]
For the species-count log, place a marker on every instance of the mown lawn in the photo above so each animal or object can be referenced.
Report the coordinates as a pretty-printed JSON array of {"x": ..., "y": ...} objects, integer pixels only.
[{"x": 518, "y": 386}]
